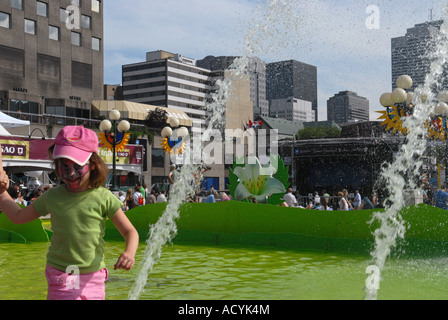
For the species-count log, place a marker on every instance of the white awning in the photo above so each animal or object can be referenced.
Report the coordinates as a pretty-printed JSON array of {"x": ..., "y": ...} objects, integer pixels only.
[
  {"x": 17, "y": 166},
  {"x": 11, "y": 122},
  {"x": 137, "y": 111},
  {"x": 136, "y": 168}
]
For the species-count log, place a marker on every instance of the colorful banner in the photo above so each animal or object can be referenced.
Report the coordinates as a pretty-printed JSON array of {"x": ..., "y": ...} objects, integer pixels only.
[
  {"x": 17, "y": 148},
  {"x": 25, "y": 149},
  {"x": 129, "y": 155}
]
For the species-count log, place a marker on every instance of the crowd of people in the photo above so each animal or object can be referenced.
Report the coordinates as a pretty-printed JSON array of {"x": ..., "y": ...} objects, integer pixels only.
[
  {"x": 25, "y": 197},
  {"x": 341, "y": 201},
  {"x": 140, "y": 195}
]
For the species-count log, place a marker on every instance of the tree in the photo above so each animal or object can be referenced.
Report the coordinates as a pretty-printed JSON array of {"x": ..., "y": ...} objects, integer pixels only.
[
  {"x": 156, "y": 119},
  {"x": 318, "y": 133}
]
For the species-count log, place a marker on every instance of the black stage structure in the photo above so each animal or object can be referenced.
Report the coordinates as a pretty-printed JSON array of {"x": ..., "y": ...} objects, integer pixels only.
[{"x": 352, "y": 163}]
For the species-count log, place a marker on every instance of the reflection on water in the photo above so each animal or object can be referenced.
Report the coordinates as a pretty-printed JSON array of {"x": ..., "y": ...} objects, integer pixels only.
[{"x": 233, "y": 273}]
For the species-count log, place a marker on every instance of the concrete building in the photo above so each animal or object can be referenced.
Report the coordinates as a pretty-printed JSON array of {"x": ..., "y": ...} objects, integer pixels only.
[
  {"x": 169, "y": 80},
  {"x": 291, "y": 78},
  {"x": 409, "y": 53},
  {"x": 51, "y": 59},
  {"x": 257, "y": 73},
  {"x": 347, "y": 106},
  {"x": 292, "y": 109}
]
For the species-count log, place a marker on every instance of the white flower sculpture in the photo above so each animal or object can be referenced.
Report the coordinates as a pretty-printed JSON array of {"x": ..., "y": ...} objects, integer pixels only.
[{"x": 256, "y": 182}]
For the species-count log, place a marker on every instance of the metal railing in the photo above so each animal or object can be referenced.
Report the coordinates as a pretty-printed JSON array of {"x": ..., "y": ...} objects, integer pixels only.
[{"x": 49, "y": 119}]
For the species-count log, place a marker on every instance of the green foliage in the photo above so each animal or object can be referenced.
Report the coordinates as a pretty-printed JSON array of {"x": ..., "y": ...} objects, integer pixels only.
[
  {"x": 156, "y": 119},
  {"x": 281, "y": 175},
  {"x": 318, "y": 133},
  {"x": 233, "y": 179},
  {"x": 139, "y": 131},
  {"x": 153, "y": 124}
]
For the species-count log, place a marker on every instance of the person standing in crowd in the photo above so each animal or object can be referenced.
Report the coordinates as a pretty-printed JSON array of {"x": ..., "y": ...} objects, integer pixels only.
[
  {"x": 17, "y": 196},
  {"x": 325, "y": 205},
  {"x": 162, "y": 197},
  {"x": 122, "y": 198},
  {"x": 375, "y": 200},
  {"x": 441, "y": 197},
  {"x": 172, "y": 174},
  {"x": 151, "y": 197},
  {"x": 129, "y": 200},
  {"x": 290, "y": 199},
  {"x": 213, "y": 195},
  {"x": 316, "y": 199},
  {"x": 145, "y": 189},
  {"x": 357, "y": 201},
  {"x": 142, "y": 190},
  {"x": 138, "y": 197},
  {"x": 343, "y": 204},
  {"x": 224, "y": 197},
  {"x": 345, "y": 194}
]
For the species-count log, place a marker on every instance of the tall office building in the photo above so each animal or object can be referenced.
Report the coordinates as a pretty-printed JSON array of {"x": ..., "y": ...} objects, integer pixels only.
[
  {"x": 51, "y": 57},
  {"x": 347, "y": 106},
  {"x": 174, "y": 81},
  {"x": 410, "y": 53},
  {"x": 292, "y": 79},
  {"x": 292, "y": 109},
  {"x": 257, "y": 73},
  {"x": 169, "y": 80}
]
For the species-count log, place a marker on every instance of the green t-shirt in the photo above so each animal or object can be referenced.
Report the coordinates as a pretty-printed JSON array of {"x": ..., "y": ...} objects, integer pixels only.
[{"x": 78, "y": 222}]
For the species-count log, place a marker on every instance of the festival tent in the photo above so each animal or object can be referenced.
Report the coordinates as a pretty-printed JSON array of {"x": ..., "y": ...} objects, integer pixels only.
[
  {"x": 11, "y": 122},
  {"x": 3, "y": 131}
]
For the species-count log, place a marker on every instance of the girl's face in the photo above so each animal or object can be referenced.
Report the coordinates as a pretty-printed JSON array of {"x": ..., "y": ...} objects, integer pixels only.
[{"x": 75, "y": 177}]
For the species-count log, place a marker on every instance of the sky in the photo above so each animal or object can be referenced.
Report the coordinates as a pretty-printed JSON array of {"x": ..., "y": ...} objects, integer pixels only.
[{"x": 349, "y": 41}]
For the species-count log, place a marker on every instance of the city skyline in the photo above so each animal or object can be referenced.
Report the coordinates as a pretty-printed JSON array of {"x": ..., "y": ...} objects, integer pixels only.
[{"x": 350, "y": 41}]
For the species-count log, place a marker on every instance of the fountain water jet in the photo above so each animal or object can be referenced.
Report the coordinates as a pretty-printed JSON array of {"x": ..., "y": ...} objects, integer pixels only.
[{"x": 399, "y": 175}]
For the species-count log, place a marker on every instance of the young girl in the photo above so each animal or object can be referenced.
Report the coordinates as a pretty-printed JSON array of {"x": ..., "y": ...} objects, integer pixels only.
[{"x": 78, "y": 209}]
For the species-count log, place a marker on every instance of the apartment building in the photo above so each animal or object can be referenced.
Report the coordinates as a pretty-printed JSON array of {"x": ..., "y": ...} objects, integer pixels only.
[
  {"x": 292, "y": 109},
  {"x": 256, "y": 70},
  {"x": 291, "y": 78},
  {"x": 169, "y": 80},
  {"x": 347, "y": 106}
]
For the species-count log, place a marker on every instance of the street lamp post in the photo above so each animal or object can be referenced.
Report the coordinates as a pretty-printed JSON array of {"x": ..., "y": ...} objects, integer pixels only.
[
  {"x": 113, "y": 129},
  {"x": 399, "y": 104}
]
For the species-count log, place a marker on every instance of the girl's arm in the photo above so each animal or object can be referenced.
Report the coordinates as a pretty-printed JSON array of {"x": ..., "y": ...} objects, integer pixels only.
[
  {"x": 14, "y": 212},
  {"x": 121, "y": 222}
]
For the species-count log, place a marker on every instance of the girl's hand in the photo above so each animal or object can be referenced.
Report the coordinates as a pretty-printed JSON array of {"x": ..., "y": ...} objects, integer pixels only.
[{"x": 126, "y": 262}]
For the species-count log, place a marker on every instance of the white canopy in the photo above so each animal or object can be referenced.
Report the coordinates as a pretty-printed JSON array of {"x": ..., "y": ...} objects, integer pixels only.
[
  {"x": 3, "y": 131},
  {"x": 11, "y": 122}
]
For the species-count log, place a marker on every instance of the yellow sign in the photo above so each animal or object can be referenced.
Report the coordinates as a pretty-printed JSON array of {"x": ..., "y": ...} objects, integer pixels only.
[
  {"x": 122, "y": 156},
  {"x": 15, "y": 149}
]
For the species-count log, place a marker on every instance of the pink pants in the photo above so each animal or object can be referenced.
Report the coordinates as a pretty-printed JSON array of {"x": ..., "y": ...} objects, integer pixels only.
[{"x": 63, "y": 286}]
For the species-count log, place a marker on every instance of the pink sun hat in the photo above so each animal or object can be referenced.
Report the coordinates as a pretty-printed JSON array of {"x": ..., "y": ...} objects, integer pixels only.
[{"x": 76, "y": 143}]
